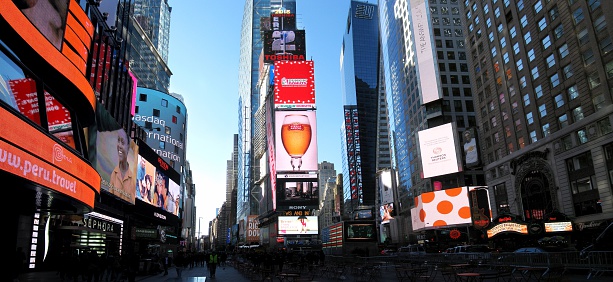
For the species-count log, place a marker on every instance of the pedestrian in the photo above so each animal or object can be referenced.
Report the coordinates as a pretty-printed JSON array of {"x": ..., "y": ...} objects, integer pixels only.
[
  {"x": 180, "y": 261},
  {"x": 166, "y": 263},
  {"x": 213, "y": 260}
]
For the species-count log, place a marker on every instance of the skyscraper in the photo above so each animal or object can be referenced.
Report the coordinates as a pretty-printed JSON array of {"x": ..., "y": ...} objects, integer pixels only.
[
  {"x": 153, "y": 16},
  {"x": 360, "y": 86},
  {"x": 541, "y": 72},
  {"x": 249, "y": 97}
]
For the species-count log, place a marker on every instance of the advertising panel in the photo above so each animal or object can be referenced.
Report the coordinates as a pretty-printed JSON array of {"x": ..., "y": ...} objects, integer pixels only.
[
  {"x": 387, "y": 212},
  {"x": 438, "y": 150},
  {"x": 443, "y": 208},
  {"x": 296, "y": 141},
  {"x": 288, "y": 45},
  {"x": 114, "y": 155},
  {"x": 145, "y": 180},
  {"x": 558, "y": 226},
  {"x": 282, "y": 20},
  {"x": 385, "y": 186},
  {"x": 424, "y": 51},
  {"x": 26, "y": 98},
  {"x": 174, "y": 197},
  {"x": 253, "y": 231},
  {"x": 470, "y": 148},
  {"x": 270, "y": 142},
  {"x": 294, "y": 84},
  {"x": 296, "y": 225},
  {"x": 360, "y": 231},
  {"x": 48, "y": 16},
  {"x": 480, "y": 206},
  {"x": 297, "y": 191}
]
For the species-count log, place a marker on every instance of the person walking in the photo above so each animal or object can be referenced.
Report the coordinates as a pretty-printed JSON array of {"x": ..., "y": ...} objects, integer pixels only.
[
  {"x": 166, "y": 263},
  {"x": 180, "y": 262},
  {"x": 213, "y": 260}
]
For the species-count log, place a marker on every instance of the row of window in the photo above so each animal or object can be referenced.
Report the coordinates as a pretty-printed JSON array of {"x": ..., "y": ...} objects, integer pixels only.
[{"x": 164, "y": 102}]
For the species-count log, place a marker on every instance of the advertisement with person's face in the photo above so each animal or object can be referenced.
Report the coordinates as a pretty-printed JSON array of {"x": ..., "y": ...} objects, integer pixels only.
[
  {"x": 160, "y": 195},
  {"x": 387, "y": 212},
  {"x": 294, "y": 225},
  {"x": 114, "y": 155},
  {"x": 296, "y": 141},
  {"x": 174, "y": 197},
  {"x": 145, "y": 180},
  {"x": 48, "y": 16}
]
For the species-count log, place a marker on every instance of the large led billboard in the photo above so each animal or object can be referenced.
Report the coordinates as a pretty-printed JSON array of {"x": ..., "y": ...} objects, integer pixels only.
[
  {"x": 114, "y": 155},
  {"x": 438, "y": 150},
  {"x": 480, "y": 206},
  {"x": 289, "y": 45},
  {"x": 297, "y": 225},
  {"x": 145, "y": 180},
  {"x": 156, "y": 182},
  {"x": 297, "y": 191},
  {"x": 294, "y": 84},
  {"x": 270, "y": 143},
  {"x": 424, "y": 51},
  {"x": 253, "y": 229},
  {"x": 441, "y": 209},
  {"x": 470, "y": 147},
  {"x": 360, "y": 231},
  {"x": 296, "y": 141},
  {"x": 385, "y": 186},
  {"x": 48, "y": 16}
]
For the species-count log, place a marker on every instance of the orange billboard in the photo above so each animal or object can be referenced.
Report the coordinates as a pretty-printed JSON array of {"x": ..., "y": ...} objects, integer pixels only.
[{"x": 42, "y": 160}]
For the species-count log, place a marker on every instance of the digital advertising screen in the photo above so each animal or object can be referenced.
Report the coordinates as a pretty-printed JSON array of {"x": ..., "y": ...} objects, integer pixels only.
[
  {"x": 284, "y": 45},
  {"x": 438, "y": 150},
  {"x": 114, "y": 155},
  {"x": 48, "y": 16},
  {"x": 360, "y": 231},
  {"x": 282, "y": 20},
  {"x": 145, "y": 180},
  {"x": 443, "y": 208},
  {"x": 160, "y": 191},
  {"x": 174, "y": 197},
  {"x": 385, "y": 186},
  {"x": 26, "y": 98},
  {"x": 296, "y": 225},
  {"x": 295, "y": 141},
  {"x": 294, "y": 84},
  {"x": 297, "y": 191},
  {"x": 387, "y": 212}
]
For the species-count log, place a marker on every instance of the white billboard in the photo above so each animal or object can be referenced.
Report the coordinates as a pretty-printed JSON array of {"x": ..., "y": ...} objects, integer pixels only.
[
  {"x": 439, "y": 154},
  {"x": 385, "y": 186},
  {"x": 294, "y": 225},
  {"x": 424, "y": 51}
]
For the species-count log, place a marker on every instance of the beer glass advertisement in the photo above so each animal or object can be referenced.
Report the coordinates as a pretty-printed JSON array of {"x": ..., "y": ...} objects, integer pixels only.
[
  {"x": 114, "y": 155},
  {"x": 295, "y": 141},
  {"x": 297, "y": 191},
  {"x": 295, "y": 225}
]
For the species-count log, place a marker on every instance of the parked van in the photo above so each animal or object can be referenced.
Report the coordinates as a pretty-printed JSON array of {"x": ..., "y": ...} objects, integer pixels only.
[{"x": 411, "y": 250}]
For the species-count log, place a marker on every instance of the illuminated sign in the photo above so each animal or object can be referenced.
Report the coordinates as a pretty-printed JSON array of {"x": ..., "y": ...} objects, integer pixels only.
[
  {"x": 253, "y": 230},
  {"x": 294, "y": 84},
  {"x": 558, "y": 226},
  {"x": 438, "y": 150},
  {"x": 297, "y": 213},
  {"x": 294, "y": 225},
  {"x": 441, "y": 208},
  {"x": 507, "y": 227},
  {"x": 284, "y": 45}
]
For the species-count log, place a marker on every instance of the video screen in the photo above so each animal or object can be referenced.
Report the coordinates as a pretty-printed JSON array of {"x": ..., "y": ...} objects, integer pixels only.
[
  {"x": 355, "y": 231},
  {"x": 295, "y": 225}
]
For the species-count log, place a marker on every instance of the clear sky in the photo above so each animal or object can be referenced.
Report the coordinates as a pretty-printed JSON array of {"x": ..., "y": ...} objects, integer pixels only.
[{"x": 204, "y": 59}]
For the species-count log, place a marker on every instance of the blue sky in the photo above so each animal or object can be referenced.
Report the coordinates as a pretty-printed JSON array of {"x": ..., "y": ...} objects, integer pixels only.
[{"x": 204, "y": 59}]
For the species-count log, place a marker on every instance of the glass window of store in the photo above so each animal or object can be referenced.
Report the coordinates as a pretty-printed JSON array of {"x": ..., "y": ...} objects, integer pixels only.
[{"x": 586, "y": 199}]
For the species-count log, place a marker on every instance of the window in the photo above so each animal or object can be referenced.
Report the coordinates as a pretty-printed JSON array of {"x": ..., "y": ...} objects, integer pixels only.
[
  {"x": 559, "y": 100},
  {"x": 568, "y": 71},
  {"x": 517, "y": 125},
  {"x": 538, "y": 90},
  {"x": 551, "y": 61},
  {"x": 566, "y": 142},
  {"x": 555, "y": 80},
  {"x": 178, "y": 109},
  {"x": 558, "y": 31},
  {"x": 599, "y": 102},
  {"x": 578, "y": 16},
  {"x": 533, "y": 138},
  {"x": 136, "y": 109},
  {"x": 605, "y": 45},
  {"x": 527, "y": 38},
  {"x": 546, "y": 42},
  {"x": 513, "y": 32},
  {"x": 531, "y": 55},
  {"x": 572, "y": 92},
  {"x": 538, "y": 6},
  {"x": 600, "y": 23},
  {"x": 156, "y": 113},
  {"x": 523, "y": 21},
  {"x": 588, "y": 57},
  {"x": 494, "y": 51},
  {"x": 563, "y": 121},
  {"x": 582, "y": 136},
  {"x": 520, "y": 65},
  {"x": 553, "y": 13},
  {"x": 142, "y": 97},
  {"x": 497, "y": 12},
  {"x": 522, "y": 82},
  {"x": 535, "y": 72},
  {"x": 594, "y": 4},
  {"x": 167, "y": 130},
  {"x": 521, "y": 142},
  {"x": 162, "y": 145},
  {"x": 563, "y": 51},
  {"x": 503, "y": 42},
  {"x": 529, "y": 118},
  {"x": 501, "y": 98},
  {"x": 593, "y": 80},
  {"x": 174, "y": 119},
  {"x": 516, "y": 48},
  {"x": 500, "y": 28},
  {"x": 148, "y": 125},
  {"x": 545, "y": 130},
  {"x": 583, "y": 37},
  {"x": 542, "y": 110},
  {"x": 605, "y": 126},
  {"x": 609, "y": 69},
  {"x": 577, "y": 114},
  {"x": 164, "y": 103},
  {"x": 542, "y": 23},
  {"x": 494, "y": 121}
]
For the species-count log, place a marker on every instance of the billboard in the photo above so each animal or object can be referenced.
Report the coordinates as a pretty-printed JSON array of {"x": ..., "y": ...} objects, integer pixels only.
[
  {"x": 145, "y": 180},
  {"x": 114, "y": 155},
  {"x": 282, "y": 20},
  {"x": 48, "y": 16},
  {"x": 387, "y": 212},
  {"x": 360, "y": 231},
  {"x": 294, "y": 84},
  {"x": 297, "y": 191},
  {"x": 424, "y": 51},
  {"x": 441, "y": 209},
  {"x": 253, "y": 231},
  {"x": 157, "y": 181},
  {"x": 470, "y": 148},
  {"x": 438, "y": 150},
  {"x": 480, "y": 206},
  {"x": 296, "y": 141},
  {"x": 288, "y": 45},
  {"x": 296, "y": 225},
  {"x": 270, "y": 142},
  {"x": 385, "y": 186}
]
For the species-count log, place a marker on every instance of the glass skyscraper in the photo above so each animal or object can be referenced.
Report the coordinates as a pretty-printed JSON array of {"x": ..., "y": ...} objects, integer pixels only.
[
  {"x": 360, "y": 86},
  {"x": 249, "y": 97},
  {"x": 154, "y": 18}
]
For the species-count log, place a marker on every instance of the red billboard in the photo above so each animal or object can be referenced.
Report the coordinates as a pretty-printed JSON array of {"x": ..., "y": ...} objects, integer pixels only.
[
  {"x": 294, "y": 84},
  {"x": 24, "y": 91}
]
